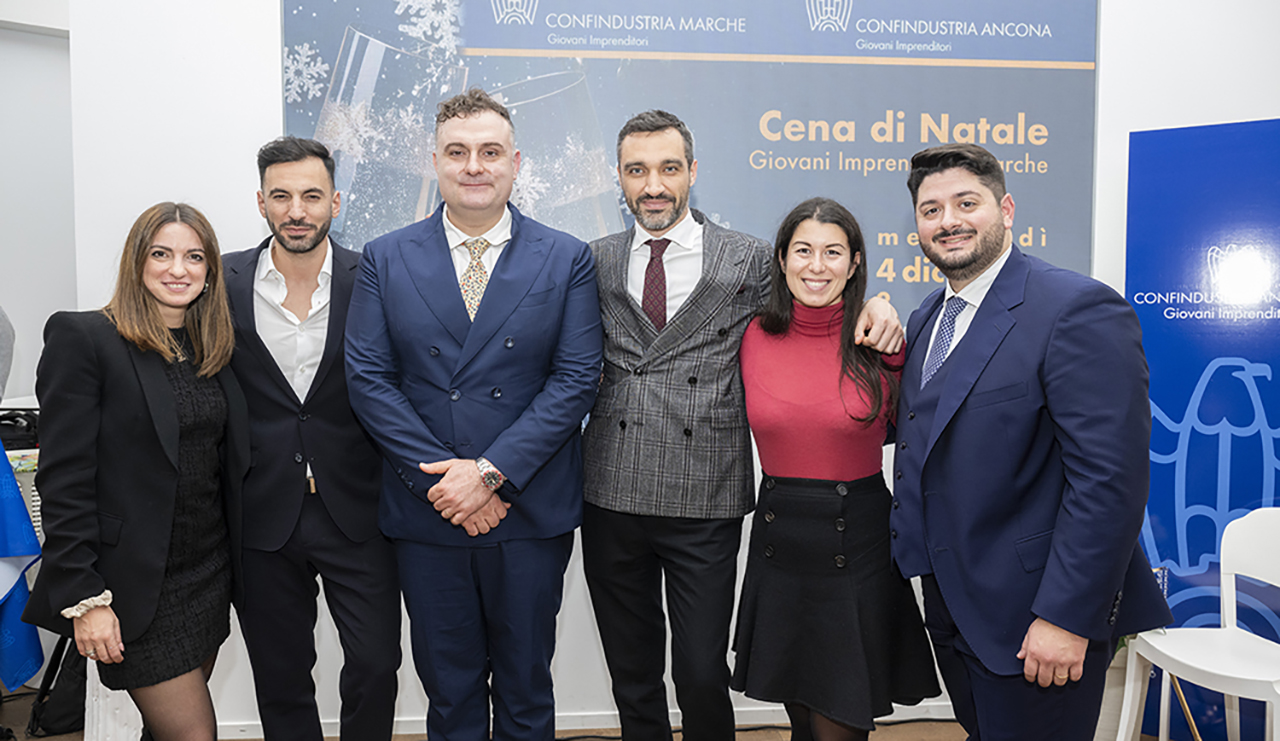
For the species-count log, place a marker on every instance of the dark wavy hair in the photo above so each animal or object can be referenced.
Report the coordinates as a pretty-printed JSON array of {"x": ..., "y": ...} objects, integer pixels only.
[{"x": 864, "y": 366}]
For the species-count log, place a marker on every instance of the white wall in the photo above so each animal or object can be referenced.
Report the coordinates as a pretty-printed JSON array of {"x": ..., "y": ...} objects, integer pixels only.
[
  {"x": 171, "y": 100},
  {"x": 1168, "y": 64},
  {"x": 37, "y": 236}
]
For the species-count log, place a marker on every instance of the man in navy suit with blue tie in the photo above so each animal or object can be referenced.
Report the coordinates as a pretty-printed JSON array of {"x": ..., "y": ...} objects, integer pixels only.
[
  {"x": 473, "y": 354},
  {"x": 1021, "y": 467}
]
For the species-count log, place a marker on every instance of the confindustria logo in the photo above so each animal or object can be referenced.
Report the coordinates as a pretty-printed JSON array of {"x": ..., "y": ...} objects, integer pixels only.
[
  {"x": 829, "y": 15},
  {"x": 521, "y": 12},
  {"x": 1240, "y": 274}
]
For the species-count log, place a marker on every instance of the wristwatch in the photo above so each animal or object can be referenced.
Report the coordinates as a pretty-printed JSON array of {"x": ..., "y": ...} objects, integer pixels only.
[{"x": 490, "y": 476}]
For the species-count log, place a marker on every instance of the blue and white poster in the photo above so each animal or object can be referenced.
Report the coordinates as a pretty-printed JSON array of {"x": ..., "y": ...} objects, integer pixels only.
[
  {"x": 1203, "y": 273},
  {"x": 787, "y": 99}
]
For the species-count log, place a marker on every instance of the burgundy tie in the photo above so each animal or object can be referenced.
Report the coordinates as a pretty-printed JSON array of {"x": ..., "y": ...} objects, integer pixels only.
[{"x": 654, "y": 301}]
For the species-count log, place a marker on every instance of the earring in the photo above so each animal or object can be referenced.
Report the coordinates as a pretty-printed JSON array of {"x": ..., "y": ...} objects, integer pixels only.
[{"x": 205, "y": 289}]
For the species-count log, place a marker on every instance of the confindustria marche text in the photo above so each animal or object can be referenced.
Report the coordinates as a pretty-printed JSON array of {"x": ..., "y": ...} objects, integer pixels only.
[{"x": 892, "y": 129}]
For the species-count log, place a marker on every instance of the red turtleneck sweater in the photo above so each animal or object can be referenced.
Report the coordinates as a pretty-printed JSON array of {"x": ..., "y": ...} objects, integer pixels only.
[{"x": 793, "y": 386}]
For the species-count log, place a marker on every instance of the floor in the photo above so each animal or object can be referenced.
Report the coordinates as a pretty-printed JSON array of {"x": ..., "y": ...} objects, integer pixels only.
[{"x": 14, "y": 713}]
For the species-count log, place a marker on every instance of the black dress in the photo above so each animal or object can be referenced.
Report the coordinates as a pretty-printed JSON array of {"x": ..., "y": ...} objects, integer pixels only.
[{"x": 192, "y": 616}]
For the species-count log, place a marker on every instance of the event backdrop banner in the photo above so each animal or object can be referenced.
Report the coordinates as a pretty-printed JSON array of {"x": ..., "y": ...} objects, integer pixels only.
[
  {"x": 1203, "y": 273},
  {"x": 787, "y": 99}
]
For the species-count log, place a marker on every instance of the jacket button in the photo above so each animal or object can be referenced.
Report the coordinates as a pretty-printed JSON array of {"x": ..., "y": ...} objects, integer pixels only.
[
  {"x": 722, "y": 331},
  {"x": 509, "y": 343},
  {"x": 693, "y": 380},
  {"x": 496, "y": 393},
  {"x": 769, "y": 484},
  {"x": 454, "y": 395},
  {"x": 893, "y": 533},
  {"x": 911, "y": 415},
  {"x": 902, "y": 445},
  {"x": 841, "y": 561},
  {"x": 434, "y": 351},
  {"x": 839, "y": 524},
  {"x": 688, "y": 432},
  {"x": 303, "y": 416},
  {"x": 639, "y": 371},
  {"x": 896, "y": 503},
  {"x": 623, "y": 424},
  {"x": 898, "y": 474},
  {"x": 768, "y": 516},
  {"x": 768, "y": 551},
  {"x": 842, "y": 490},
  {"x": 297, "y": 457}
]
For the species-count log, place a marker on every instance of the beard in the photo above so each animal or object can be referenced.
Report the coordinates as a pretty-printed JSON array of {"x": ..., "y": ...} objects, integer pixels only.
[
  {"x": 966, "y": 266},
  {"x": 659, "y": 221},
  {"x": 299, "y": 245}
]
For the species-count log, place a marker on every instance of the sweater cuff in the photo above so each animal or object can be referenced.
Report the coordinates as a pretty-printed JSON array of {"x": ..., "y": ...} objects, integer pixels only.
[{"x": 85, "y": 605}]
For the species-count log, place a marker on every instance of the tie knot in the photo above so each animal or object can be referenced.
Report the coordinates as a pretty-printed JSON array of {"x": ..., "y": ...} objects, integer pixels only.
[
  {"x": 955, "y": 305},
  {"x": 476, "y": 247},
  {"x": 657, "y": 247}
]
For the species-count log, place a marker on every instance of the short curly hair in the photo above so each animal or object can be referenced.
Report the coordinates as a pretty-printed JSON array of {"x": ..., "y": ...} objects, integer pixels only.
[{"x": 473, "y": 102}]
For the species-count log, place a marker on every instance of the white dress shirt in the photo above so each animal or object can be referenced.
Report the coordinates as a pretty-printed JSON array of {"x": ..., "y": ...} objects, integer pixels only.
[
  {"x": 973, "y": 294},
  {"x": 682, "y": 262},
  {"x": 498, "y": 237},
  {"x": 295, "y": 344}
]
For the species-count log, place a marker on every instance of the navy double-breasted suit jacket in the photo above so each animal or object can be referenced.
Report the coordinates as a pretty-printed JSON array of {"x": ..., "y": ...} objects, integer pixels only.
[
  {"x": 1029, "y": 494},
  {"x": 513, "y": 386}
]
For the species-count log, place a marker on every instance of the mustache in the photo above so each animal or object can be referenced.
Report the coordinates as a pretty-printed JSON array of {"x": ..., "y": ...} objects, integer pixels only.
[
  {"x": 944, "y": 234},
  {"x": 646, "y": 199},
  {"x": 286, "y": 224}
]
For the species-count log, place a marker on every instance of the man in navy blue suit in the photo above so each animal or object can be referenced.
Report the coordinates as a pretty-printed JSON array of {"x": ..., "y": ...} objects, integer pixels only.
[
  {"x": 473, "y": 354},
  {"x": 1021, "y": 468}
]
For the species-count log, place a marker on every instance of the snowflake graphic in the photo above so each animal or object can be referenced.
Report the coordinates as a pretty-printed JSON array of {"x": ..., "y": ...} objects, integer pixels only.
[
  {"x": 349, "y": 129},
  {"x": 304, "y": 73},
  {"x": 434, "y": 21},
  {"x": 530, "y": 187}
]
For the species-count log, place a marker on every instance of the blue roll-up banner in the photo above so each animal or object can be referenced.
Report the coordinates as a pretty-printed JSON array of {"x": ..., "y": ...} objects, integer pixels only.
[
  {"x": 787, "y": 99},
  {"x": 1203, "y": 273}
]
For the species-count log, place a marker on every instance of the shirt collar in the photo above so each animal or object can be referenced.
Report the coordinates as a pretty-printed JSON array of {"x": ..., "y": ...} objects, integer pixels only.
[
  {"x": 267, "y": 263},
  {"x": 681, "y": 235},
  {"x": 976, "y": 291},
  {"x": 498, "y": 234}
]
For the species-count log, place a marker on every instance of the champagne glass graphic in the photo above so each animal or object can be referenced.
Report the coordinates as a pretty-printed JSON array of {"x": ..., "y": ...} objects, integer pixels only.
[
  {"x": 565, "y": 180},
  {"x": 378, "y": 120}
]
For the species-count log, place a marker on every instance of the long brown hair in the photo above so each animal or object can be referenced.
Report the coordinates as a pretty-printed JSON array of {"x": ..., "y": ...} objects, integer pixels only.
[
  {"x": 136, "y": 313},
  {"x": 862, "y": 365}
]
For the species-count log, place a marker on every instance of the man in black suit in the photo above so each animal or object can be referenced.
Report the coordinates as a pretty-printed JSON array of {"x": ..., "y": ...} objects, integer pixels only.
[{"x": 311, "y": 495}]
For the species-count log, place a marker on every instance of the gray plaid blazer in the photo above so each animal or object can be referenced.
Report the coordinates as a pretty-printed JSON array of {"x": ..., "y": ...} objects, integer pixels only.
[{"x": 668, "y": 435}]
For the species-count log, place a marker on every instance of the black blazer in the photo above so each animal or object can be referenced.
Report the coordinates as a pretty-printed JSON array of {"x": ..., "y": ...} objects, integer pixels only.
[
  {"x": 108, "y": 474},
  {"x": 287, "y": 432}
]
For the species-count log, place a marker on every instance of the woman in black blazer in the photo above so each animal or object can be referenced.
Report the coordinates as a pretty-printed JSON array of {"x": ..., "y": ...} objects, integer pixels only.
[{"x": 144, "y": 442}]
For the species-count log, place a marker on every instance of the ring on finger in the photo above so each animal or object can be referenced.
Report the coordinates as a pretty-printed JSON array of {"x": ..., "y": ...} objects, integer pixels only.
[
  {"x": 93, "y": 653},
  {"x": 1061, "y": 676}
]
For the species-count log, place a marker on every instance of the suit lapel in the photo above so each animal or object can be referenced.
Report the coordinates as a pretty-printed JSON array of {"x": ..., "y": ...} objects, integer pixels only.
[
  {"x": 342, "y": 281},
  {"x": 990, "y": 326},
  {"x": 240, "y": 275},
  {"x": 520, "y": 263},
  {"x": 160, "y": 400},
  {"x": 721, "y": 270},
  {"x": 616, "y": 300},
  {"x": 427, "y": 261}
]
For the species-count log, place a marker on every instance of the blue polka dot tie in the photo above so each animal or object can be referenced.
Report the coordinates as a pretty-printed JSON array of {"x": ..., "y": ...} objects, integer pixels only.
[{"x": 942, "y": 343}]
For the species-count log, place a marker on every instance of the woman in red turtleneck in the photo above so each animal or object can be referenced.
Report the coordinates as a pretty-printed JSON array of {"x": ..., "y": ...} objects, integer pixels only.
[{"x": 826, "y": 624}]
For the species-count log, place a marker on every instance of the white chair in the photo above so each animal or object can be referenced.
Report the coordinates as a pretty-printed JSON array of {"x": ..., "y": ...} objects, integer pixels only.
[{"x": 1226, "y": 659}]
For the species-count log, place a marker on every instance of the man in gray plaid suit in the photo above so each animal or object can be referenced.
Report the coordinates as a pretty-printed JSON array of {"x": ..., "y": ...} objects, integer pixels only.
[{"x": 667, "y": 451}]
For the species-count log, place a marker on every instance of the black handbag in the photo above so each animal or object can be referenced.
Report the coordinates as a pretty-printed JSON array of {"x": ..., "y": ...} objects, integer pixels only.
[
  {"x": 19, "y": 428},
  {"x": 59, "y": 706}
]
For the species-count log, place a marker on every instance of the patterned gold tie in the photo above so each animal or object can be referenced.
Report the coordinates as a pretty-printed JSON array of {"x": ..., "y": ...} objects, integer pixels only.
[{"x": 475, "y": 277}]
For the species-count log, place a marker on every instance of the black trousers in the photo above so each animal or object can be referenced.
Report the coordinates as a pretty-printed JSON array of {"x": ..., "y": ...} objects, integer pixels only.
[
  {"x": 993, "y": 707},
  {"x": 278, "y": 620},
  {"x": 627, "y": 558}
]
